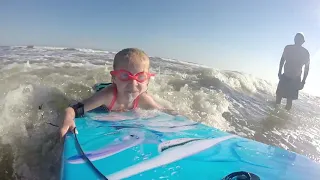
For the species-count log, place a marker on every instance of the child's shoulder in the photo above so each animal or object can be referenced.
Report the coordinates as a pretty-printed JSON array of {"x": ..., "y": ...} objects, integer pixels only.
[
  {"x": 145, "y": 96},
  {"x": 147, "y": 102},
  {"x": 106, "y": 93}
]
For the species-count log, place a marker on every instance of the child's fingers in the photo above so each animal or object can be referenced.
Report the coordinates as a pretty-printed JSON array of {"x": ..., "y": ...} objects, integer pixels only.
[
  {"x": 76, "y": 131},
  {"x": 64, "y": 130},
  {"x": 71, "y": 128}
]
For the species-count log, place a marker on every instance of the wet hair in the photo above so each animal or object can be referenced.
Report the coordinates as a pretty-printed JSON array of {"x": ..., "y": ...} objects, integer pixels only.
[{"x": 131, "y": 56}]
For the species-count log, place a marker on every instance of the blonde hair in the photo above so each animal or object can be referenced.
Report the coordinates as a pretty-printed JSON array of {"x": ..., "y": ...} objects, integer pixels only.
[{"x": 131, "y": 56}]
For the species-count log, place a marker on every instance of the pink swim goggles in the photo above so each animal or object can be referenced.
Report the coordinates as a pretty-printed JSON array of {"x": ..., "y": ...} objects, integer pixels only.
[{"x": 125, "y": 75}]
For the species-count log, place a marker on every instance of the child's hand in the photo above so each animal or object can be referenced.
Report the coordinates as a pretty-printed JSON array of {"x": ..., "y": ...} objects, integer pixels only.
[{"x": 68, "y": 122}]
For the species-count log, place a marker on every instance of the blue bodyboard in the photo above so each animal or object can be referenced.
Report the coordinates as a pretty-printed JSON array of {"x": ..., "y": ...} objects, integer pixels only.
[{"x": 155, "y": 145}]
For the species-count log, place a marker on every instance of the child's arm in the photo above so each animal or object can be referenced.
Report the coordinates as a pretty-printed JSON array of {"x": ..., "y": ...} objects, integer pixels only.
[
  {"x": 147, "y": 102},
  {"x": 93, "y": 102},
  {"x": 97, "y": 99}
]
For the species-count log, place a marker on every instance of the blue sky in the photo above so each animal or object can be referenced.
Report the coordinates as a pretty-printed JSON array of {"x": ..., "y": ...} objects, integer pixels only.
[{"x": 247, "y": 35}]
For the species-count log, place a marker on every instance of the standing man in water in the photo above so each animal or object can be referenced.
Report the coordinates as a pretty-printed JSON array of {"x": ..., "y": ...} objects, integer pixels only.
[{"x": 294, "y": 57}]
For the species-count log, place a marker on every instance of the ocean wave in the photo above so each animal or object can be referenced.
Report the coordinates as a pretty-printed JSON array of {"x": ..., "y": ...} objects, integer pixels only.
[
  {"x": 34, "y": 145},
  {"x": 70, "y": 49},
  {"x": 182, "y": 62}
]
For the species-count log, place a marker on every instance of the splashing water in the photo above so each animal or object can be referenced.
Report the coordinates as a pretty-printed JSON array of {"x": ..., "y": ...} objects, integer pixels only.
[{"x": 38, "y": 83}]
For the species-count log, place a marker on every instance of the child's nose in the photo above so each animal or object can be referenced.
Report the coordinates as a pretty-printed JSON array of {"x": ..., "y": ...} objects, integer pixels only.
[{"x": 133, "y": 82}]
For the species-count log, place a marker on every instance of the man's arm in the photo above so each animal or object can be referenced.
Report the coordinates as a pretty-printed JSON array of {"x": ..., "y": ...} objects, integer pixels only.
[
  {"x": 282, "y": 61},
  {"x": 306, "y": 72},
  {"x": 306, "y": 68}
]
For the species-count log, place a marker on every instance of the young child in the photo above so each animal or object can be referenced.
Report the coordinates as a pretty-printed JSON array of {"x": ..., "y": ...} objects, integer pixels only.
[{"x": 130, "y": 78}]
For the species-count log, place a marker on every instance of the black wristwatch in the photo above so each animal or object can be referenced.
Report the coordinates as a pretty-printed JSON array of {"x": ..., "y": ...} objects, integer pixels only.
[{"x": 78, "y": 109}]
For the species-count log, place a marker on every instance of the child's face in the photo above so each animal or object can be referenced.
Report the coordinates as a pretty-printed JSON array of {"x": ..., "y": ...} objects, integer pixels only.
[{"x": 131, "y": 88}]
